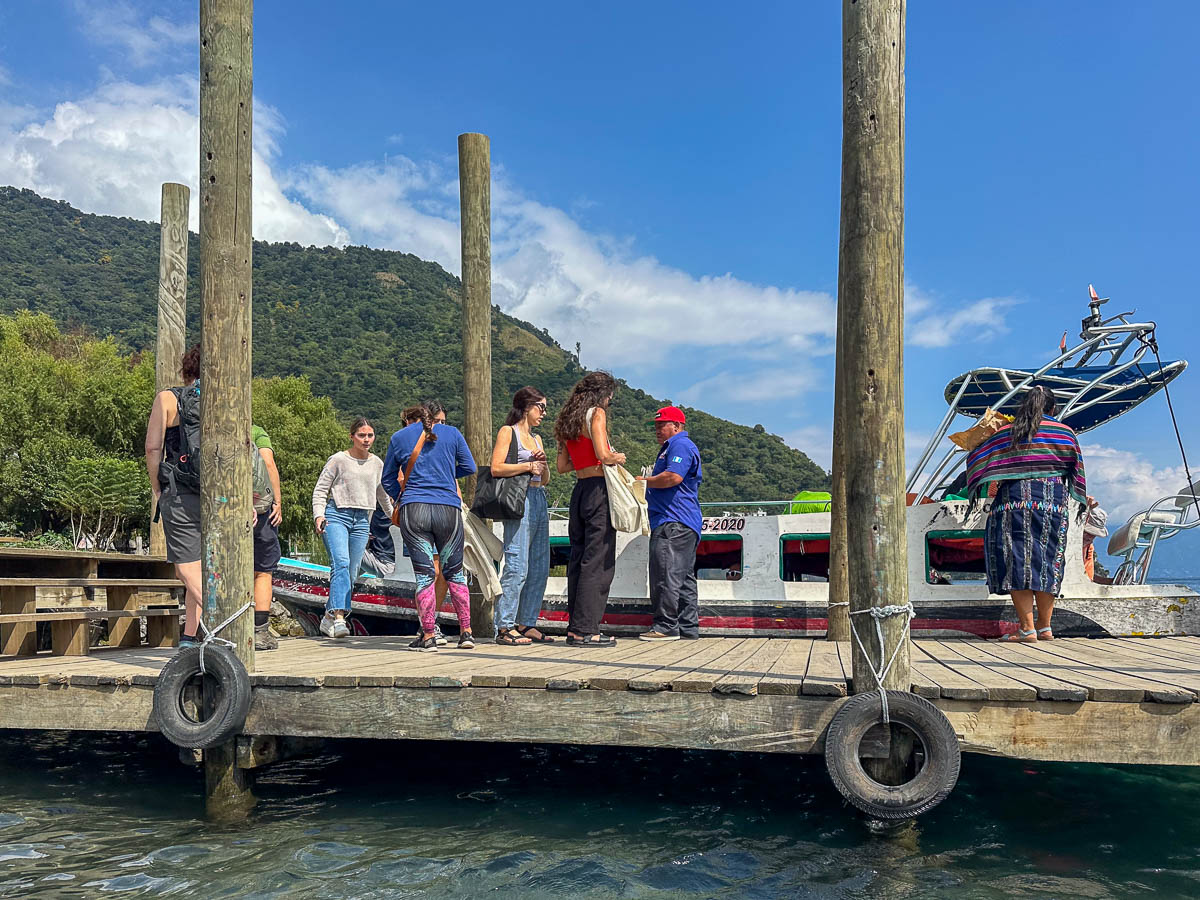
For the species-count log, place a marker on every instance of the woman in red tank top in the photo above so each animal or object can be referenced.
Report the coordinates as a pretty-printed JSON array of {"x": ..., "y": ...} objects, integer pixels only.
[{"x": 583, "y": 447}]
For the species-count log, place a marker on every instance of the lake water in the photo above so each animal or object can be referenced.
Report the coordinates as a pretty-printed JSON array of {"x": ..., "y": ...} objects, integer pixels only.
[
  {"x": 85, "y": 815},
  {"x": 94, "y": 816}
]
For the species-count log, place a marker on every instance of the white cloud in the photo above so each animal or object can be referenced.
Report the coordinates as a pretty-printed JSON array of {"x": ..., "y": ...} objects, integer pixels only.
[
  {"x": 764, "y": 385},
  {"x": 109, "y": 152},
  {"x": 1125, "y": 482},
  {"x": 929, "y": 324},
  {"x": 142, "y": 38}
]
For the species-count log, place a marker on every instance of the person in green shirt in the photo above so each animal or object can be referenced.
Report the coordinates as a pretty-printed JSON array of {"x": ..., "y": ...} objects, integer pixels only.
[{"x": 266, "y": 545}]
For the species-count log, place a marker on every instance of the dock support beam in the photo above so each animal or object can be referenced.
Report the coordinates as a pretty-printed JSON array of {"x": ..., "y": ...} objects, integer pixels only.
[
  {"x": 171, "y": 337},
  {"x": 868, "y": 473},
  {"x": 226, "y": 518},
  {"x": 475, "y": 199}
]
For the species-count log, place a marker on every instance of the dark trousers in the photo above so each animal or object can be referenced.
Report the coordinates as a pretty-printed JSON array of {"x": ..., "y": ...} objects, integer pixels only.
[
  {"x": 593, "y": 559},
  {"x": 673, "y": 580}
]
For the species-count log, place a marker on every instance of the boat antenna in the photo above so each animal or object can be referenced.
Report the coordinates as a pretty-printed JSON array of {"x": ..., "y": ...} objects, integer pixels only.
[{"x": 1151, "y": 341}]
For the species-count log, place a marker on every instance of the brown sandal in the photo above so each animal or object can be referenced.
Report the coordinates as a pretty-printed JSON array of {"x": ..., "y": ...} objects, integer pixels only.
[{"x": 510, "y": 637}]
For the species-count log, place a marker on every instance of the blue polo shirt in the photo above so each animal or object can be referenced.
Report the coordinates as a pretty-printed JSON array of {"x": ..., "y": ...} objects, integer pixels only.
[
  {"x": 440, "y": 465},
  {"x": 682, "y": 502}
]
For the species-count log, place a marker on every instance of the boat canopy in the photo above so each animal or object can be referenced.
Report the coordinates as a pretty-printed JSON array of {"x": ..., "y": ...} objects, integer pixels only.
[
  {"x": 1095, "y": 394},
  {"x": 1094, "y": 382}
]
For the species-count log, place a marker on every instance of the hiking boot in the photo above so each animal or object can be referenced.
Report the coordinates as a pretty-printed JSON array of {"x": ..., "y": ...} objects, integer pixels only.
[
  {"x": 263, "y": 639},
  {"x": 657, "y": 636},
  {"x": 424, "y": 644}
]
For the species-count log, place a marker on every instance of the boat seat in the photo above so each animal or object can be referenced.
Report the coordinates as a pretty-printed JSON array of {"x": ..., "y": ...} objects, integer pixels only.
[{"x": 1126, "y": 537}]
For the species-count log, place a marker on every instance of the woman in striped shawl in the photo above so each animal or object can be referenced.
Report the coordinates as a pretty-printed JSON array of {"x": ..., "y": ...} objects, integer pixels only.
[{"x": 1037, "y": 468}]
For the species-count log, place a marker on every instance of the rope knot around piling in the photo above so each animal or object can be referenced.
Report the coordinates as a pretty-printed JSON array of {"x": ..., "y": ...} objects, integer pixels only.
[
  {"x": 878, "y": 614},
  {"x": 210, "y": 637}
]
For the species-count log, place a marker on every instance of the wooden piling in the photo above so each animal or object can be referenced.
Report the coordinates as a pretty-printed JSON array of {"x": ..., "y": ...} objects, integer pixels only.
[
  {"x": 868, "y": 469},
  {"x": 171, "y": 337},
  {"x": 475, "y": 190},
  {"x": 226, "y": 71}
]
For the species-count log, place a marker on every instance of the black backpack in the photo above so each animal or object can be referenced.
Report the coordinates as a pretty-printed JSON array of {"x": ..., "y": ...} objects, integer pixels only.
[{"x": 180, "y": 468}]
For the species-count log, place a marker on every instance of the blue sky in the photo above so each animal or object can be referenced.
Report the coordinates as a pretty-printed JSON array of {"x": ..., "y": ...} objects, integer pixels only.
[{"x": 666, "y": 184}]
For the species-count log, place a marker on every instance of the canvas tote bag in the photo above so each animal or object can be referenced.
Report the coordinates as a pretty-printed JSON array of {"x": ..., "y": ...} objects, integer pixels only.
[{"x": 626, "y": 496}]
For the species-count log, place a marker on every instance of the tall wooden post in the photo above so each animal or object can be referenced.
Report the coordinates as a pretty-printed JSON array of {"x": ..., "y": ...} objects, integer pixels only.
[
  {"x": 171, "y": 338},
  {"x": 838, "y": 613},
  {"x": 475, "y": 200},
  {"x": 226, "y": 518},
  {"x": 869, "y": 424}
]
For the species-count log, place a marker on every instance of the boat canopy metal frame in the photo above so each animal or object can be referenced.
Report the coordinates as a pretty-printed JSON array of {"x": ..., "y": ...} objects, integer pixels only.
[{"x": 1094, "y": 382}]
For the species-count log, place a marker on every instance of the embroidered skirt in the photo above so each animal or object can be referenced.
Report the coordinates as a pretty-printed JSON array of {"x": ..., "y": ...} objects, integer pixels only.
[{"x": 1026, "y": 538}]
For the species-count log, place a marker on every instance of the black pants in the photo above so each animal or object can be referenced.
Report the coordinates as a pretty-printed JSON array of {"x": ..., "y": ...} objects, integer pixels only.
[
  {"x": 593, "y": 559},
  {"x": 673, "y": 580}
]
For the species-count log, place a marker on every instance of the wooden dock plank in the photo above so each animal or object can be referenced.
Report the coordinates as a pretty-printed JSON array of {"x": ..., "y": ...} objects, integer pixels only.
[
  {"x": 952, "y": 685},
  {"x": 1093, "y": 680},
  {"x": 536, "y": 671},
  {"x": 980, "y": 668},
  {"x": 786, "y": 675},
  {"x": 700, "y": 677},
  {"x": 825, "y": 676},
  {"x": 1164, "y": 647},
  {"x": 1111, "y": 662},
  {"x": 745, "y": 679},
  {"x": 1047, "y": 686},
  {"x": 670, "y": 654},
  {"x": 701, "y": 653}
]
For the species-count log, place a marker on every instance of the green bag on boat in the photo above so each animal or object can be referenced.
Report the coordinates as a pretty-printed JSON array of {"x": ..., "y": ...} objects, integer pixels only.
[{"x": 810, "y": 502}]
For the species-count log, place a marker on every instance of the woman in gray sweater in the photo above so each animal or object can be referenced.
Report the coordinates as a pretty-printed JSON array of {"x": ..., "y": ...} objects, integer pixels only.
[{"x": 342, "y": 503}]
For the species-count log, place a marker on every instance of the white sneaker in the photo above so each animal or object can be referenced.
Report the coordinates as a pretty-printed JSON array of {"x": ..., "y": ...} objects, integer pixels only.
[{"x": 334, "y": 627}]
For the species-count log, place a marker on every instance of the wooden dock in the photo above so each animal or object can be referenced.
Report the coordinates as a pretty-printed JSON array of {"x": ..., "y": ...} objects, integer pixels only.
[{"x": 1113, "y": 700}]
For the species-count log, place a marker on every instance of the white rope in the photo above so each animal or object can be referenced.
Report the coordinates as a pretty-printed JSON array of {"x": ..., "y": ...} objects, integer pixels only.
[
  {"x": 210, "y": 637},
  {"x": 879, "y": 613}
]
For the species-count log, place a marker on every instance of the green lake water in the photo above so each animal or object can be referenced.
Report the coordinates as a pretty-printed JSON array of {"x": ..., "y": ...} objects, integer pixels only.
[{"x": 105, "y": 815}]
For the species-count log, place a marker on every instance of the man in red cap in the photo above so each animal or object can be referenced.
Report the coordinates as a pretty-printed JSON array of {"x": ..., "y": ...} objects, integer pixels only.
[{"x": 673, "y": 498}]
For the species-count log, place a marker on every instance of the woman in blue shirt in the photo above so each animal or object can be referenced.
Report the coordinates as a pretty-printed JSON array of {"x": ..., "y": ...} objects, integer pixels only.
[{"x": 431, "y": 517}]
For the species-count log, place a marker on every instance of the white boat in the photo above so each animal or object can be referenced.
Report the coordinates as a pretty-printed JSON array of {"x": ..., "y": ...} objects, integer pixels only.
[{"x": 767, "y": 574}]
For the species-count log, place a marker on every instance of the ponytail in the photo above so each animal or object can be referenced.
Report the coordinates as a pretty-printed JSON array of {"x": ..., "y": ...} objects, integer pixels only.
[{"x": 1039, "y": 402}]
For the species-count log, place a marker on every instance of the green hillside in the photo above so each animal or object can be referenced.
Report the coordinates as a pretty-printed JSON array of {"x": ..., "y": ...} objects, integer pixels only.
[{"x": 374, "y": 330}]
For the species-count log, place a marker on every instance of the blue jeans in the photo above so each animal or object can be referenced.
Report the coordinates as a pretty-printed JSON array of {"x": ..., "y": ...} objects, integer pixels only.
[
  {"x": 526, "y": 563},
  {"x": 346, "y": 533}
]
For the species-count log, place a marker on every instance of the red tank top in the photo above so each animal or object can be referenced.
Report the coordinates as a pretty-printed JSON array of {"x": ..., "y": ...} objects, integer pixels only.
[{"x": 582, "y": 453}]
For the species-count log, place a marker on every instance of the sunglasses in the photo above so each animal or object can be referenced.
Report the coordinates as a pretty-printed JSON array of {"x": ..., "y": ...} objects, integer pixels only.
[{"x": 541, "y": 404}]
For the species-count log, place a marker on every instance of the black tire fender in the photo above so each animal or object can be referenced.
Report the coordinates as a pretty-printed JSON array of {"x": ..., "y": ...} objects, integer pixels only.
[
  {"x": 229, "y": 712},
  {"x": 931, "y": 785}
]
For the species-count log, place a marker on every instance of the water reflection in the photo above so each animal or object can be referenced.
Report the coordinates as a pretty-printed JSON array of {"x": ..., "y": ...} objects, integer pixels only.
[{"x": 94, "y": 815}]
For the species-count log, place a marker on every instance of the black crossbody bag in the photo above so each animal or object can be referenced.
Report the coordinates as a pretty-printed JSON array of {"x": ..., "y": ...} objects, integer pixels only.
[{"x": 501, "y": 498}]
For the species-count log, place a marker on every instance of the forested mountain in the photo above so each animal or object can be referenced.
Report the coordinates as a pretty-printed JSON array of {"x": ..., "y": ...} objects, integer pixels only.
[{"x": 374, "y": 330}]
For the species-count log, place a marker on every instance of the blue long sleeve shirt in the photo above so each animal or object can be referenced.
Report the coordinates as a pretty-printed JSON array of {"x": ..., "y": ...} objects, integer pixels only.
[{"x": 435, "y": 475}]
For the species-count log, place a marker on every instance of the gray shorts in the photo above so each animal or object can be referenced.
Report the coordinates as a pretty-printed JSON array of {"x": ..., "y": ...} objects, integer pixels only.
[{"x": 181, "y": 525}]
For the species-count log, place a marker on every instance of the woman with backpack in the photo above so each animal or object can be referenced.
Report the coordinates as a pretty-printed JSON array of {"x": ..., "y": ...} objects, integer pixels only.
[
  {"x": 172, "y": 440},
  {"x": 582, "y": 435},
  {"x": 527, "y": 539},
  {"x": 342, "y": 502}
]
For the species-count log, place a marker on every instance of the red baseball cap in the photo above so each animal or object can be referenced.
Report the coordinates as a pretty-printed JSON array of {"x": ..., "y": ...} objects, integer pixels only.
[{"x": 671, "y": 414}]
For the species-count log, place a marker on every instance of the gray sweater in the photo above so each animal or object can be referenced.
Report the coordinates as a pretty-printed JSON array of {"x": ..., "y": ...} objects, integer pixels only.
[{"x": 351, "y": 484}]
